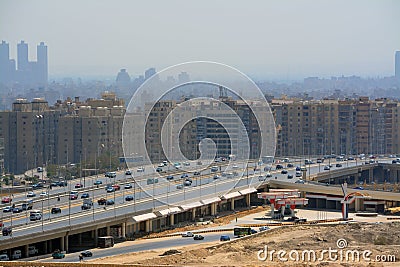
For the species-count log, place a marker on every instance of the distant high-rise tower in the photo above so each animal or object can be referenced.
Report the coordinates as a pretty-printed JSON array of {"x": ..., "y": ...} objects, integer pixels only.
[
  {"x": 22, "y": 56},
  {"x": 42, "y": 68},
  {"x": 148, "y": 73},
  {"x": 397, "y": 66}
]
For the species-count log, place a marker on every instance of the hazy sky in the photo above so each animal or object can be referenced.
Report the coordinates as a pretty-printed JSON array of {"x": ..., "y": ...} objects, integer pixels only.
[{"x": 265, "y": 39}]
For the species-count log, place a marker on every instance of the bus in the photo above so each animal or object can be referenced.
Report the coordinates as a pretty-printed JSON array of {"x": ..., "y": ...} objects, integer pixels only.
[{"x": 105, "y": 241}]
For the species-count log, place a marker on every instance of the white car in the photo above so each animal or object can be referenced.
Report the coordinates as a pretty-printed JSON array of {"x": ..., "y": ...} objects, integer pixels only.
[
  {"x": 31, "y": 194},
  {"x": 44, "y": 194},
  {"x": 235, "y": 167},
  {"x": 141, "y": 169},
  {"x": 268, "y": 175},
  {"x": 188, "y": 234},
  {"x": 261, "y": 178}
]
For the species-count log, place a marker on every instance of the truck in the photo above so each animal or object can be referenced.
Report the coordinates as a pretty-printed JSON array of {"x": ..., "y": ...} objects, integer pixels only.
[
  {"x": 105, "y": 241},
  {"x": 241, "y": 231},
  {"x": 27, "y": 204},
  {"x": 87, "y": 204}
]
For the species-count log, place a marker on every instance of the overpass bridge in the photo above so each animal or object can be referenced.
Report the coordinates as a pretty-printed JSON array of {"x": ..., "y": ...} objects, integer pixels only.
[{"x": 207, "y": 197}]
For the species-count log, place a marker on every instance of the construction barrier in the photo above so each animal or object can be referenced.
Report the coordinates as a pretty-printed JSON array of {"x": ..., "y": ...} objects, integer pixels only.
[
  {"x": 292, "y": 223},
  {"x": 393, "y": 218},
  {"x": 194, "y": 232}
]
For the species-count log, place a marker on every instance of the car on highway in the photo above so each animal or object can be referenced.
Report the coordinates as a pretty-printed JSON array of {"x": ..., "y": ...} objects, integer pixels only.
[
  {"x": 290, "y": 176},
  {"x": 98, "y": 182},
  {"x": 129, "y": 198},
  {"x": 73, "y": 196},
  {"x": 187, "y": 183},
  {"x": 111, "y": 174},
  {"x": 187, "y": 234},
  {"x": 85, "y": 195},
  {"x": 289, "y": 165},
  {"x": 55, "y": 210},
  {"x": 141, "y": 169},
  {"x": 224, "y": 238},
  {"x": 36, "y": 186},
  {"x": 17, "y": 210},
  {"x": 268, "y": 175},
  {"x": 31, "y": 194},
  {"x": 7, "y": 209},
  {"x": 279, "y": 166},
  {"x": 44, "y": 194},
  {"x": 61, "y": 183},
  {"x": 128, "y": 186},
  {"x": 185, "y": 175},
  {"x": 101, "y": 201},
  {"x": 87, "y": 253},
  {"x": 186, "y": 163},
  {"x": 216, "y": 177},
  {"x": 58, "y": 255},
  {"x": 170, "y": 177},
  {"x": 128, "y": 172},
  {"x": 179, "y": 186},
  {"x": 359, "y": 188},
  {"x": 7, "y": 231},
  {"x": 196, "y": 173},
  {"x": 327, "y": 168},
  {"x": 298, "y": 174},
  {"x": 284, "y": 171},
  {"x": 6, "y": 200},
  {"x": 110, "y": 189},
  {"x": 78, "y": 185},
  {"x": 264, "y": 228},
  {"x": 116, "y": 187},
  {"x": 338, "y": 165},
  {"x": 214, "y": 168},
  {"x": 159, "y": 169},
  {"x": 299, "y": 181},
  {"x": 198, "y": 237},
  {"x": 109, "y": 202},
  {"x": 261, "y": 178},
  {"x": 161, "y": 165}
]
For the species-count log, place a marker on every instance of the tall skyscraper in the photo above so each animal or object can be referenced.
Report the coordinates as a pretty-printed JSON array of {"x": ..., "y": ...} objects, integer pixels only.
[
  {"x": 397, "y": 66},
  {"x": 26, "y": 72},
  {"x": 22, "y": 56},
  {"x": 42, "y": 67}
]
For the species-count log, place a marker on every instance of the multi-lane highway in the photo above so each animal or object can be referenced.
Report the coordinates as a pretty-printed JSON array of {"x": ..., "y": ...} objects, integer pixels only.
[{"x": 145, "y": 196}]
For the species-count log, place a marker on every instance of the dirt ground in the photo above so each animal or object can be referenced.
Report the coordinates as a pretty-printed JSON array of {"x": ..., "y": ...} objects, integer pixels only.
[{"x": 383, "y": 240}]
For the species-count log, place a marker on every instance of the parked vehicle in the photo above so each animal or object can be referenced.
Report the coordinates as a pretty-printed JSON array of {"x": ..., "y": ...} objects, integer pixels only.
[
  {"x": 105, "y": 241},
  {"x": 4, "y": 257},
  {"x": 224, "y": 238},
  {"x": 188, "y": 234},
  {"x": 58, "y": 255}
]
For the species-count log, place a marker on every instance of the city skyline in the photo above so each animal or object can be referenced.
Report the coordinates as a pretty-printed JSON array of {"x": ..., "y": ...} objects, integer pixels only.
[{"x": 264, "y": 40}]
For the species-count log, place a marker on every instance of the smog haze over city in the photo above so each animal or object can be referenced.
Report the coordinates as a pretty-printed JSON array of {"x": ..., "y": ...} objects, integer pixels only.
[{"x": 267, "y": 40}]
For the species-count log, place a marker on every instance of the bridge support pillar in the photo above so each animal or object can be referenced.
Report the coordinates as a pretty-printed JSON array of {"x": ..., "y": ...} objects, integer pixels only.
[
  {"x": 272, "y": 210},
  {"x": 66, "y": 247},
  {"x": 248, "y": 200},
  {"x": 80, "y": 239},
  {"x": 62, "y": 243},
  {"x": 371, "y": 175},
  {"x": 26, "y": 248},
  {"x": 108, "y": 230},
  {"x": 213, "y": 209},
  {"x": 149, "y": 226},
  {"x": 123, "y": 229},
  {"x": 193, "y": 214},
  {"x": 95, "y": 235},
  {"x": 50, "y": 246},
  {"x": 172, "y": 219},
  {"x": 233, "y": 204},
  {"x": 45, "y": 247},
  {"x": 283, "y": 211}
]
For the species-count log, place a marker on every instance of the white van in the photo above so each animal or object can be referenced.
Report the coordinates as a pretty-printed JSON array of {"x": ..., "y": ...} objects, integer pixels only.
[
  {"x": 4, "y": 257},
  {"x": 35, "y": 215}
]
